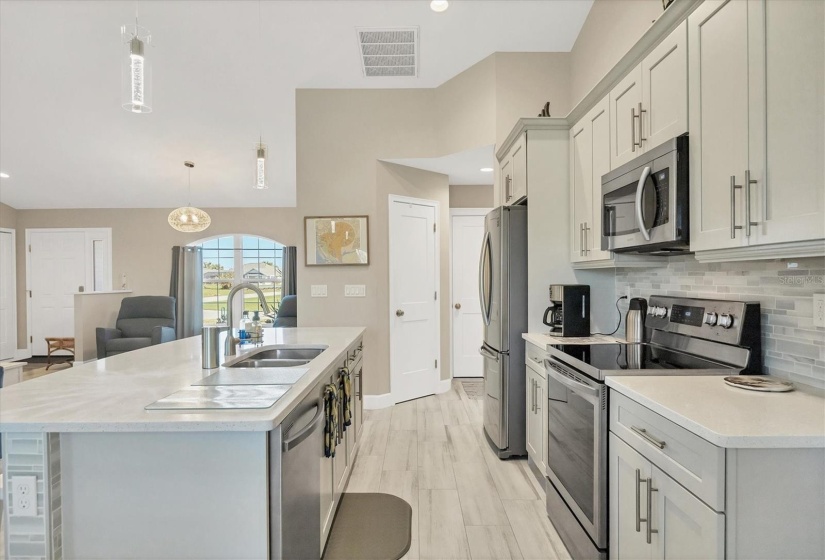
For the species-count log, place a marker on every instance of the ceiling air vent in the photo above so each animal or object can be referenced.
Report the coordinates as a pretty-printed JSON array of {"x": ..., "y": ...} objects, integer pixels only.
[{"x": 389, "y": 52}]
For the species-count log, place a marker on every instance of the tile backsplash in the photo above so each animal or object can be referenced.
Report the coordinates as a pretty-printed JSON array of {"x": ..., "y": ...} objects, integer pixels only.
[{"x": 792, "y": 347}]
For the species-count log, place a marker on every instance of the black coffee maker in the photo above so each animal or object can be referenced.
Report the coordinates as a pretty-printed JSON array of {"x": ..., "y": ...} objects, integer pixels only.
[{"x": 569, "y": 311}]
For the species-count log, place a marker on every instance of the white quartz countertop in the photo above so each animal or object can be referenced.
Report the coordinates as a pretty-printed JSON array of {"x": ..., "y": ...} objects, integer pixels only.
[
  {"x": 543, "y": 340},
  {"x": 110, "y": 395},
  {"x": 730, "y": 417}
]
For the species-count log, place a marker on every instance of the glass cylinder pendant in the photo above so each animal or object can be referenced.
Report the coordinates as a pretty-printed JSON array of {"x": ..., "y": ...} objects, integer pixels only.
[
  {"x": 260, "y": 167},
  {"x": 189, "y": 219},
  {"x": 136, "y": 70}
]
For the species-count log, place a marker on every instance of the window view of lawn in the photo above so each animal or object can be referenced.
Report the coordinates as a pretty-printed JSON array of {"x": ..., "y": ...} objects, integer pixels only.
[{"x": 235, "y": 259}]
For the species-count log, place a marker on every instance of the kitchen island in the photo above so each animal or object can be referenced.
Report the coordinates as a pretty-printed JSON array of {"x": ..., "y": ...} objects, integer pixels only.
[{"x": 114, "y": 480}]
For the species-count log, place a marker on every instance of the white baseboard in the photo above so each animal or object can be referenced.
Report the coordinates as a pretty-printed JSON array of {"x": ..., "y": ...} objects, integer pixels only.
[
  {"x": 444, "y": 385},
  {"x": 374, "y": 402}
]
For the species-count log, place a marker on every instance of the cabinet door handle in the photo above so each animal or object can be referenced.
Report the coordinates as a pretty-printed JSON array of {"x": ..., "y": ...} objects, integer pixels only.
[
  {"x": 733, "y": 187},
  {"x": 649, "y": 438},
  {"x": 538, "y": 397},
  {"x": 748, "y": 222},
  {"x": 639, "y": 501},
  {"x": 632, "y": 129},
  {"x": 581, "y": 239},
  {"x": 641, "y": 130},
  {"x": 586, "y": 239},
  {"x": 507, "y": 188},
  {"x": 650, "y": 491}
]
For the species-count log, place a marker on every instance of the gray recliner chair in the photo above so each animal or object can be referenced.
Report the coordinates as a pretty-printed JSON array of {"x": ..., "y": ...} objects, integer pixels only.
[
  {"x": 142, "y": 321},
  {"x": 287, "y": 313}
]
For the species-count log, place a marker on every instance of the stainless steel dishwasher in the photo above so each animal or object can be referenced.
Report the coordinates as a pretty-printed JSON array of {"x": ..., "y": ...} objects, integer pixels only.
[{"x": 295, "y": 482}]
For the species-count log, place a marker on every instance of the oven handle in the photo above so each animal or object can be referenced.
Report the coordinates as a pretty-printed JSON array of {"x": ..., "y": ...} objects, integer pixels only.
[
  {"x": 639, "y": 190},
  {"x": 572, "y": 384}
]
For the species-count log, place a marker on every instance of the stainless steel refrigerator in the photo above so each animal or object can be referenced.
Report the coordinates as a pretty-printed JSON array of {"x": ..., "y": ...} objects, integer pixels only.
[{"x": 503, "y": 293}]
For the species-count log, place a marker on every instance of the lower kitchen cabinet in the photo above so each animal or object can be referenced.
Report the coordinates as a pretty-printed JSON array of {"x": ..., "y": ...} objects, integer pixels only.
[
  {"x": 653, "y": 516},
  {"x": 536, "y": 409},
  {"x": 674, "y": 494}
]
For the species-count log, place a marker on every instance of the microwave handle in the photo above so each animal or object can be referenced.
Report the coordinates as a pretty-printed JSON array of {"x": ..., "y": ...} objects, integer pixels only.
[{"x": 639, "y": 190}]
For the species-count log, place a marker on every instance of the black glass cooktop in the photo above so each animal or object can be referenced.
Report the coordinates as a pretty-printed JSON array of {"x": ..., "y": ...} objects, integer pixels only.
[{"x": 607, "y": 357}]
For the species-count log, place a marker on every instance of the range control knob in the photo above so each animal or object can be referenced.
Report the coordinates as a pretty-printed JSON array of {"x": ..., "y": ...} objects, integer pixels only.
[
  {"x": 656, "y": 311},
  {"x": 711, "y": 318},
  {"x": 725, "y": 321}
]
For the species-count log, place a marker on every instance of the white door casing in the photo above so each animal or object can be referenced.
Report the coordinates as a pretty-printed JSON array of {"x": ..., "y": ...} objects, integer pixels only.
[
  {"x": 58, "y": 263},
  {"x": 8, "y": 296},
  {"x": 467, "y": 236},
  {"x": 413, "y": 311}
]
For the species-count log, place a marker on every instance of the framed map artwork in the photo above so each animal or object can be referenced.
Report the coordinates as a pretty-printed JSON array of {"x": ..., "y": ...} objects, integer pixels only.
[{"x": 336, "y": 240}]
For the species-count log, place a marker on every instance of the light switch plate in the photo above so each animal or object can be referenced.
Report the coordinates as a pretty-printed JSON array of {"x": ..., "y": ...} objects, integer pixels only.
[
  {"x": 355, "y": 290},
  {"x": 318, "y": 290},
  {"x": 819, "y": 310}
]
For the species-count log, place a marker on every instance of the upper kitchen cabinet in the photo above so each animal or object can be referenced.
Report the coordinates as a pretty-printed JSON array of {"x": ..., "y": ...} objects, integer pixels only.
[
  {"x": 757, "y": 128},
  {"x": 649, "y": 106},
  {"x": 589, "y": 160},
  {"x": 514, "y": 172}
]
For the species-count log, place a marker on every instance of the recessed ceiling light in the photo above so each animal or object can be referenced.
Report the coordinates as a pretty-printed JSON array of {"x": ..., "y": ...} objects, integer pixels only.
[
  {"x": 486, "y": 169},
  {"x": 4, "y": 175},
  {"x": 439, "y": 5}
]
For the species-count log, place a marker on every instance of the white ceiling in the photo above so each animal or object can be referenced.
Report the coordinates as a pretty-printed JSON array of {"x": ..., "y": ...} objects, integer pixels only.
[
  {"x": 464, "y": 168},
  {"x": 66, "y": 142}
]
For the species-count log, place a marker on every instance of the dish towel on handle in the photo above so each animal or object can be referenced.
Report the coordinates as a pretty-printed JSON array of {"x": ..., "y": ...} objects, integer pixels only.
[
  {"x": 331, "y": 413},
  {"x": 344, "y": 380}
]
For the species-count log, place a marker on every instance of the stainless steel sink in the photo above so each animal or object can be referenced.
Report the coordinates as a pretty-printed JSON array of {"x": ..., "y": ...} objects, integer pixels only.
[
  {"x": 268, "y": 362},
  {"x": 277, "y": 357}
]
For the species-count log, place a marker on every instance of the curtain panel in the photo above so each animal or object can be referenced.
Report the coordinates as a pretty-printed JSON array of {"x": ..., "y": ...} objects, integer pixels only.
[
  {"x": 289, "y": 280},
  {"x": 186, "y": 287}
]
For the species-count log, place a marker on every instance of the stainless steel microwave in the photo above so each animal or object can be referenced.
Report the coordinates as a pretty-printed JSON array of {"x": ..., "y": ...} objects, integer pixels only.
[{"x": 645, "y": 202}]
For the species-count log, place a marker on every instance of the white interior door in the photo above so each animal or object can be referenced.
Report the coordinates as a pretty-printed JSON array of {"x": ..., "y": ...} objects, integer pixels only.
[
  {"x": 414, "y": 318},
  {"x": 61, "y": 263},
  {"x": 8, "y": 316},
  {"x": 466, "y": 238}
]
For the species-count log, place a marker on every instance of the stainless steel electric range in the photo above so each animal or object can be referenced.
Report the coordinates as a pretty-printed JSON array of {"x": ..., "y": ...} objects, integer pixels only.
[{"x": 686, "y": 337}]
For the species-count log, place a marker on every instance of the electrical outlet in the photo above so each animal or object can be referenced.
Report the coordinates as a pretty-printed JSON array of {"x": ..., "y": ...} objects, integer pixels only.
[
  {"x": 819, "y": 310},
  {"x": 318, "y": 290},
  {"x": 24, "y": 496}
]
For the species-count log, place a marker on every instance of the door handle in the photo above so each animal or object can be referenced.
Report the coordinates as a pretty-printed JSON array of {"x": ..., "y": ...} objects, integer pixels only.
[
  {"x": 457, "y": 306},
  {"x": 733, "y": 187},
  {"x": 399, "y": 312},
  {"x": 538, "y": 397},
  {"x": 639, "y": 519},
  {"x": 485, "y": 303},
  {"x": 632, "y": 129},
  {"x": 586, "y": 239},
  {"x": 641, "y": 130},
  {"x": 507, "y": 188},
  {"x": 748, "y": 222},
  {"x": 487, "y": 354},
  {"x": 639, "y": 191},
  {"x": 649, "y": 438},
  {"x": 581, "y": 239},
  {"x": 650, "y": 491}
]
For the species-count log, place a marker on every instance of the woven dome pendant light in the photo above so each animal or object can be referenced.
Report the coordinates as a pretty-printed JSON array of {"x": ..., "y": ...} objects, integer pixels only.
[{"x": 189, "y": 219}]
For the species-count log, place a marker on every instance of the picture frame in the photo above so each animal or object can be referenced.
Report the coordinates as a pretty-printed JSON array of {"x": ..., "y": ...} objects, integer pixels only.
[{"x": 336, "y": 240}]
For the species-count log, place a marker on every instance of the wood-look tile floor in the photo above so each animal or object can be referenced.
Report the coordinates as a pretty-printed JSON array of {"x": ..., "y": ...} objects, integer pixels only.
[{"x": 466, "y": 502}]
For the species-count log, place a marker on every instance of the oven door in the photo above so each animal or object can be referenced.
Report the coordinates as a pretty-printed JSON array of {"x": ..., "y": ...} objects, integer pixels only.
[{"x": 577, "y": 445}]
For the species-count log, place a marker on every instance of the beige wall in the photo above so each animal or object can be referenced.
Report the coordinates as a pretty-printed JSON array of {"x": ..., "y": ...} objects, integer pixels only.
[
  {"x": 93, "y": 310},
  {"x": 524, "y": 82},
  {"x": 465, "y": 109},
  {"x": 8, "y": 216},
  {"x": 610, "y": 30},
  {"x": 471, "y": 196}
]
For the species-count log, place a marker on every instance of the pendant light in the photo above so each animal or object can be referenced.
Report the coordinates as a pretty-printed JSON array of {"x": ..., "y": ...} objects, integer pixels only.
[
  {"x": 260, "y": 148},
  {"x": 136, "y": 69},
  {"x": 189, "y": 219},
  {"x": 260, "y": 167}
]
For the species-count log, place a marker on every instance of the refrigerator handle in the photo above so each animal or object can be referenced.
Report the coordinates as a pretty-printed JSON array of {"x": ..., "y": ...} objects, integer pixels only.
[
  {"x": 484, "y": 289},
  {"x": 487, "y": 354}
]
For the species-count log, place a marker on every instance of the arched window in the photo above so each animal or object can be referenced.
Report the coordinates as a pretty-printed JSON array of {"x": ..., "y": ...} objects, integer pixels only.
[{"x": 231, "y": 260}]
